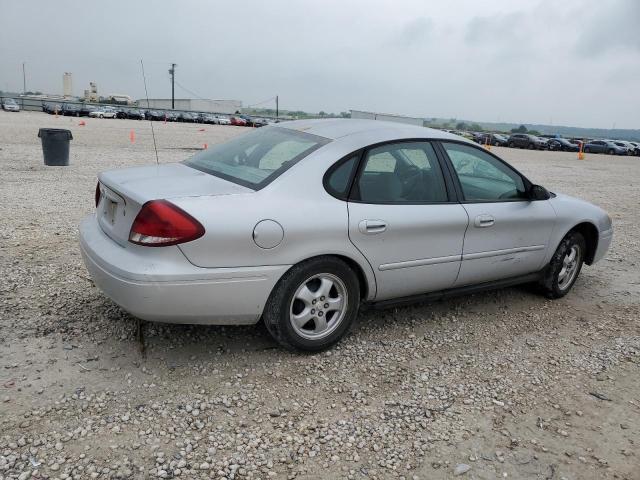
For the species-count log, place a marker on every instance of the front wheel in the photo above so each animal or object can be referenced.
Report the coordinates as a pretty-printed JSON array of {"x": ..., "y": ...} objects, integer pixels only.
[
  {"x": 313, "y": 305},
  {"x": 565, "y": 266},
  {"x": 532, "y": 146},
  {"x": 611, "y": 152}
]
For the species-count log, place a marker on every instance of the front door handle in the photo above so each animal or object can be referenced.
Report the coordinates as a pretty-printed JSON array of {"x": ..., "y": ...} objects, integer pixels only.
[
  {"x": 484, "y": 220},
  {"x": 369, "y": 227}
]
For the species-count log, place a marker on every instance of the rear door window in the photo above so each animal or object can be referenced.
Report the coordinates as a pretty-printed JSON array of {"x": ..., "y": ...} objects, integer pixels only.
[{"x": 404, "y": 172}]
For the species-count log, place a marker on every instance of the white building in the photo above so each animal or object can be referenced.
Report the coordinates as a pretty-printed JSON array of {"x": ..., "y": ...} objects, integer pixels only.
[
  {"x": 67, "y": 86},
  {"x": 387, "y": 117},
  {"x": 193, "y": 104},
  {"x": 91, "y": 95}
]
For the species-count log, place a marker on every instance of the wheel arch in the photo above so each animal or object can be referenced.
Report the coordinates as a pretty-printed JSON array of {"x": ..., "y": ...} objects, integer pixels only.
[
  {"x": 590, "y": 233},
  {"x": 366, "y": 278}
]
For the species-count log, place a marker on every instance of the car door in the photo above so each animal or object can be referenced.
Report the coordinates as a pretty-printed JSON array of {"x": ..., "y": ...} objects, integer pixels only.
[
  {"x": 405, "y": 220},
  {"x": 508, "y": 233}
]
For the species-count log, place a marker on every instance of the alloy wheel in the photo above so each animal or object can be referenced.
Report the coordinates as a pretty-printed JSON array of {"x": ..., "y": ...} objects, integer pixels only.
[
  {"x": 569, "y": 269},
  {"x": 319, "y": 305}
]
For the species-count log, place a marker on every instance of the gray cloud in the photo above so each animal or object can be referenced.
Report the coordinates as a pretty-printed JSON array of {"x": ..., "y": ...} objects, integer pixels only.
[
  {"x": 525, "y": 61},
  {"x": 616, "y": 27}
]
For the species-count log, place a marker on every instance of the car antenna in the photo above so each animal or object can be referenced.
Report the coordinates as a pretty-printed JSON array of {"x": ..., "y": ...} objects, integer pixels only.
[{"x": 153, "y": 134}]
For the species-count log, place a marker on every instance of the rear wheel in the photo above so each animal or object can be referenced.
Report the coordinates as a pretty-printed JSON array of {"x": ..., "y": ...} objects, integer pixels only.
[
  {"x": 564, "y": 267},
  {"x": 313, "y": 305},
  {"x": 532, "y": 146},
  {"x": 511, "y": 144},
  {"x": 611, "y": 152}
]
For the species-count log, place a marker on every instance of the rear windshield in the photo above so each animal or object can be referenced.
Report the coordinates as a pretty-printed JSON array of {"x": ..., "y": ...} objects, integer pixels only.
[{"x": 255, "y": 159}]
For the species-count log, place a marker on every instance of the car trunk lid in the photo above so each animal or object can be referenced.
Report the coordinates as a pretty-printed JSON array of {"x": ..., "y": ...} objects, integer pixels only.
[{"x": 123, "y": 192}]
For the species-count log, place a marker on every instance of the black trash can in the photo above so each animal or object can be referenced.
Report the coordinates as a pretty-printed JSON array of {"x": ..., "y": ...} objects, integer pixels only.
[{"x": 55, "y": 145}]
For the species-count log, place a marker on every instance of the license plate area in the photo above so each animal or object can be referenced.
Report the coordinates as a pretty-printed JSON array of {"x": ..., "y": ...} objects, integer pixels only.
[{"x": 110, "y": 211}]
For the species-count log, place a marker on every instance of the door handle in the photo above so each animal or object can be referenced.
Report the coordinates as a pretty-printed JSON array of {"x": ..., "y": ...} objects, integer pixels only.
[
  {"x": 369, "y": 227},
  {"x": 484, "y": 220}
]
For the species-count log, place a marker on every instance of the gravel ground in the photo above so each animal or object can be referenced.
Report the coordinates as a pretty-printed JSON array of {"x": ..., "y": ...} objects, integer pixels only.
[{"x": 504, "y": 384}]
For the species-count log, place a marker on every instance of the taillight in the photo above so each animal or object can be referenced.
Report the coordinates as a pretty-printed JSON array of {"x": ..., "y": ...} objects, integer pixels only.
[
  {"x": 160, "y": 223},
  {"x": 98, "y": 194}
]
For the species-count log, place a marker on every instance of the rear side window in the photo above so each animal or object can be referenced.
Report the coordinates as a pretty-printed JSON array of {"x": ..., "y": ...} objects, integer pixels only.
[
  {"x": 338, "y": 179},
  {"x": 401, "y": 173},
  {"x": 255, "y": 159}
]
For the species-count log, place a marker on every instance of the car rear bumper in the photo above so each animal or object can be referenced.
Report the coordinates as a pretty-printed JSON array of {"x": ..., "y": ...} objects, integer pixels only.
[
  {"x": 159, "y": 284},
  {"x": 604, "y": 241}
]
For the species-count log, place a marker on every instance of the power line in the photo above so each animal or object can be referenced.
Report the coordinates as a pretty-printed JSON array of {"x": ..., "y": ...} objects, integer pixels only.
[
  {"x": 190, "y": 92},
  {"x": 262, "y": 102}
]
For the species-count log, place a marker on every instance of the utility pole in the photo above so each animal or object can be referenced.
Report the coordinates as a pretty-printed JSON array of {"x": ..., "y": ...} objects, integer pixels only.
[
  {"x": 276, "y": 107},
  {"x": 172, "y": 72},
  {"x": 24, "y": 84}
]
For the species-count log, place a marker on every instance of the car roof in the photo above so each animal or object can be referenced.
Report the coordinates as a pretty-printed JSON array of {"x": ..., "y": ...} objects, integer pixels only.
[{"x": 335, "y": 128}]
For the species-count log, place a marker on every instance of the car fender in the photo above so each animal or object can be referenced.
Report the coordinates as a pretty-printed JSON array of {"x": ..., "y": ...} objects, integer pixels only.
[{"x": 570, "y": 212}]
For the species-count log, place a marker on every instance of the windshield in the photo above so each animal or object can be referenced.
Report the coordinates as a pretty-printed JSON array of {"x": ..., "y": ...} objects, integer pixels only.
[{"x": 257, "y": 158}]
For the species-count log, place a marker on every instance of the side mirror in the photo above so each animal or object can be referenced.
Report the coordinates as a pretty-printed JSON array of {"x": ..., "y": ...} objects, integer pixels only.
[{"x": 537, "y": 192}]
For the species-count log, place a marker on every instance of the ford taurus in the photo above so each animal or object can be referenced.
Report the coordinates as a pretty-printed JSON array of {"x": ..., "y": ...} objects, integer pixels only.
[{"x": 301, "y": 223}]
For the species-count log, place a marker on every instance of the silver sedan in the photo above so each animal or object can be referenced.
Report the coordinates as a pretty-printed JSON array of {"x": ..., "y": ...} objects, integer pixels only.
[{"x": 302, "y": 223}]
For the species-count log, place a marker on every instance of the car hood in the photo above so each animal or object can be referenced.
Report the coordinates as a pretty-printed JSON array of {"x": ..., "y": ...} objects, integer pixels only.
[{"x": 166, "y": 181}]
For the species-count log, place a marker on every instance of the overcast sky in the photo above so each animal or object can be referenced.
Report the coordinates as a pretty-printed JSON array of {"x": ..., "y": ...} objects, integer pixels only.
[{"x": 570, "y": 62}]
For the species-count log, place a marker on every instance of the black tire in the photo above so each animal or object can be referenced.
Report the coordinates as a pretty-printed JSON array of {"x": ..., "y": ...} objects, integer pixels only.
[
  {"x": 611, "y": 151},
  {"x": 276, "y": 314},
  {"x": 550, "y": 283},
  {"x": 531, "y": 146},
  {"x": 512, "y": 145},
  {"x": 586, "y": 150}
]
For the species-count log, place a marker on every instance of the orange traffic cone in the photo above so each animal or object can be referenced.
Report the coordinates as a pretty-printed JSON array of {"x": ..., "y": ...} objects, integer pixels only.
[
  {"x": 132, "y": 136},
  {"x": 580, "y": 152}
]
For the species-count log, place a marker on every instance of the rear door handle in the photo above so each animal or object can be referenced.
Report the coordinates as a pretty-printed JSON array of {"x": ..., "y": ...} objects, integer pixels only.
[
  {"x": 484, "y": 220},
  {"x": 369, "y": 227}
]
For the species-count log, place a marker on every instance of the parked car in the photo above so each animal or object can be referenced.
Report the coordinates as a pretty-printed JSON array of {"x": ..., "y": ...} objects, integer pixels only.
[
  {"x": 494, "y": 139},
  {"x": 187, "y": 117},
  {"x": 10, "y": 105},
  {"x": 576, "y": 141},
  {"x": 562, "y": 144},
  {"x": 626, "y": 145},
  {"x": 103, "y": 112},
  {"x": 71, "y": 110},
  {"x": 238, "y": 121},
  {"x": 171, "y": 116},
  {"x": 526, "y": 140},
  {"x": 86, "y": 109},
  {"x": 135, "y": 114},
  {"x": 384, "y": 214},
  {"x": 604, "y": 146},
  {"x": 636, "y": 148},
  {"x": 220, "y": 120},
  {"x": 259, "y": 122},
  {"x": 156, "y": 115},
  {"x": 52, "y": 108}
]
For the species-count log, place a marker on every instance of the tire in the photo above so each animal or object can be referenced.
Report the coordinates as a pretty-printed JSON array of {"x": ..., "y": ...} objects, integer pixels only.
[
  {"x": 611, "y": 151},
  {"x": 557, "y": 281},
  {"x": 512, "y": 145},
  {"x": 100, "y": 116},
  {"x": 531, "y": 146},
  {"x": 288, "y": 299},
  {"x": 586, "y": 150}
]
